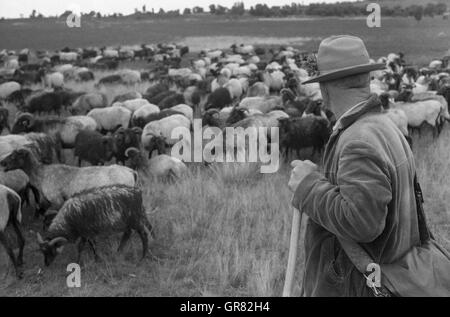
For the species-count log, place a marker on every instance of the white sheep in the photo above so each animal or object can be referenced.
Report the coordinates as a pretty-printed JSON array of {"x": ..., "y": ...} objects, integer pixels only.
[
  {"x": 420, "y": 112},
  {"x": 163, "y": 128},
  {"x": 234, "y": 86},
  {"x": 110, "y": 118},
  {"x": 6, "y": 89},
  {"x": 262, "y": 104},
  {"x": 55, "y": 80},
  {"x": 132, "y": 105},
  {"x": 187, "y": 111}
]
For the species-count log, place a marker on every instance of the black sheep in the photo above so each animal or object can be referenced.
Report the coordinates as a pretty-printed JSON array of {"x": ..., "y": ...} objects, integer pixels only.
[
  {"x": 111, "y": 209},
  {"x": 298, "y": 133},
  {"x": 110, "y": 80},
  {"x": 171, "y": 101},
  {"x": 156, "y": 99},
  {"x": 218, "y": 99},
  {"x": 93, "y": 147},
  {"x": 141, "y": 122},
  {"x": 125, "y": 139}
]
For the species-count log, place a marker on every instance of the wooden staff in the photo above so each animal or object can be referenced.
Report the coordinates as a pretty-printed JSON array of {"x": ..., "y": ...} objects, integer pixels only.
[{"x": 293, "y": 246}]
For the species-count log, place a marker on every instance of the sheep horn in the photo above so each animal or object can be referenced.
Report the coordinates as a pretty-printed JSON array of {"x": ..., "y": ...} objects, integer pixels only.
[
  {"x": 131, "y": 149},
  {"x": 57, "y": 240},
  {"x": 39, "y": 238},
  {"x": 50, "y": 213},
  {"x": 26, "y": 116}
]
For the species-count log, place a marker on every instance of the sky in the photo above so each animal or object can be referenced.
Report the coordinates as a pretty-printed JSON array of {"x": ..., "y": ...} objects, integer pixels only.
[{"x": 14, "y": 8}]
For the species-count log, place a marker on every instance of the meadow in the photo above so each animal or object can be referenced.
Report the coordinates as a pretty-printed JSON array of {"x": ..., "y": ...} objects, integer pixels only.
[
  {"x": 421, "y": 41},
  {"x": 222, "y": 230}
]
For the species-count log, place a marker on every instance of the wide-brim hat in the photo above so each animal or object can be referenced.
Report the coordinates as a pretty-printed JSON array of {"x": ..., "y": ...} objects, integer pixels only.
[{"x": 342, "y": 56}]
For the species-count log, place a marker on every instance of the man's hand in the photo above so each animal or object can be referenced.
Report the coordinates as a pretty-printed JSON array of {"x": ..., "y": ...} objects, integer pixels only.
[{"x": 300, "y": 171}]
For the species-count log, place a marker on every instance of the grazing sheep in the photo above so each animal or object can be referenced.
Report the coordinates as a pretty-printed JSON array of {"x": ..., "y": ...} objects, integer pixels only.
[
  {"x": 87, "y": 102},
  {"x": 111, "y": 209},
  {"x": 127, "y": 96},
  {"x": 156, "y": 99},
  {"x": 132, "y": 105},
  {"x": 162, "y": 130},
  {"x": 171, "y": 101},
  {"x": 93, "y": 147},
  {"x": 57, "y": 182},
  {"x": 6, "y": 89},
  {"x": 55, "y": 80},
  {"x": 138, "y": 118},
  {"x": 19, "y": 182},
  {"x": 110, "y": 80},
  {"x": 186, "y": 110},
  {"x": 299, "y": 133},
  {"x": 223, "y": 119},
  {"x": 262, "y": 104},
  {"x": 258, "y": 89},
  {"x": 235, "y": 88},
  {"x": 161, "y": 166},
  {"x": 11, "y": 215},
  {"x": 130, "y": 77},
  {"x": 143, "y": 121},
  {"x": 219, "y": 99},
  {"x": 68, "y": 57},
  {"x": 108, "y": 119},
  {"x": 44, "y": 147},
  {"x": 63, "y": 130},
  {"x": 125, "y": 139}
]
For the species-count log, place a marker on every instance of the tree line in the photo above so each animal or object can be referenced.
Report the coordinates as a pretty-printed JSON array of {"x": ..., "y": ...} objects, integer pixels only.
[{"x": 340, "y": 9}]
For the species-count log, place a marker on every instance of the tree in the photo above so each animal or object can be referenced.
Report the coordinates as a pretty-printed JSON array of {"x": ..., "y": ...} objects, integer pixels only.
[
  {"x": 418, "y": 13},
  {"x": 198, "y": 10},
  {"x": 99, "y": 15},
  {"x": 187, "y": 11},
  {"x": 33, "y": 14},
  {"x": 212, "y": 9},
  {"x": 238, "y": 8},
  {"x": 144, "y": 8}
]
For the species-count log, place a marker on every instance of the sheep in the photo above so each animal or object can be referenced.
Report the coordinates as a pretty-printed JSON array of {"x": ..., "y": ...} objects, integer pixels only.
[
  {"x": 428, "y": 111},
  {"x": 46, "y": 102},
  {"x": 258, "y": 89},
  {"x": 93, "y": 147},
  {"x": 55, "y": 80},
  {"x": 44, "y": 147},
  {"x": 6, "y": 89},
  {"x": 156, "y": 99},
  {"x": 124, "y": 139},
  {"x": 87, "y": 102},
  {"x": 64, "y": 130},
  {"x": 222, "y": 119},
  {"x": 171, "y": 101},
  {"x": 56, "y": 183},
  {"x": 110, "y": 209},
  {"x": 156, "y": 116},
  {"x": 127, "y": 96},
  {"x": 130, "y": 77},
  {"x": 138, "y": 118},
  {"x": 132, "y": 105},
  {"x": 11, "y": 215},
  {"x": 186, "y": 110},
  {"x": 219, "y": 99},
  {"x": 262, "y": 104},
  {"x": 162, "y": 130},
  {"x": 68, "y": 57},
  {"x": 298, "y": 133},
  {"x": 4, "y": 122},
  {"x": 19, "y": 182},
  {"x": 439, "y": 97},
  {"x": 160, "y": 166},
  {"x": 108, "y": 119},
  {"x": 235, "y": 88}
]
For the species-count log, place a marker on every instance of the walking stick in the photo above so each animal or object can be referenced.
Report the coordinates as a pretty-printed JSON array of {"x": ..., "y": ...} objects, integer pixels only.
[{"x": 293, "y": 246}]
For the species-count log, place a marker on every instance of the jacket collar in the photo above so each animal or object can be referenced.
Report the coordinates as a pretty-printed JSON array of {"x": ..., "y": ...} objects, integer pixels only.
[{"x": 372, "y": 104}]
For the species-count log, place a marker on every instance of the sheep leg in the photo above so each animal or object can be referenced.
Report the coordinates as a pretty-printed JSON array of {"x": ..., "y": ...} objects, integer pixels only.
[
  {"x": 81, "y": 245},
  {"x": 92, "y": 246},
  {"x": 126, "y": 236},
  {"x": 21, "y": 241},
  {"x": 144, "y": 238},
  {"x": 10, "y": 254}
]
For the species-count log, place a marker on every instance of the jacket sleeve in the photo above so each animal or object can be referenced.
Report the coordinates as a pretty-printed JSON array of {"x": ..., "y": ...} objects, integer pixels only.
[{"x": 356, "y": 207}]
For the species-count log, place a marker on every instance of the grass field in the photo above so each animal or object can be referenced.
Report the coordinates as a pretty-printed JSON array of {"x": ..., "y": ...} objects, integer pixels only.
[
  {"x": 222, "y": 231},
  {"x": 421, "y": 41}
]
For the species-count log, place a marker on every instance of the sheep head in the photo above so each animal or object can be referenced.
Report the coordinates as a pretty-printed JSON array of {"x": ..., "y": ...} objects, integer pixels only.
[
  {"x": 24, "y": 123},
  {"x": 51, "y": 248}
]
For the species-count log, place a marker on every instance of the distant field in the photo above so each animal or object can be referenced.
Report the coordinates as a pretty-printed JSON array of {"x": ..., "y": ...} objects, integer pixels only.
[{"x": 421, "y": 41}]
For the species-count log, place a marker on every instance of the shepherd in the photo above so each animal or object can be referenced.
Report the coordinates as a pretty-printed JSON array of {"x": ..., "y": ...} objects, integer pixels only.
[{"x": 367, "y": 195}]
